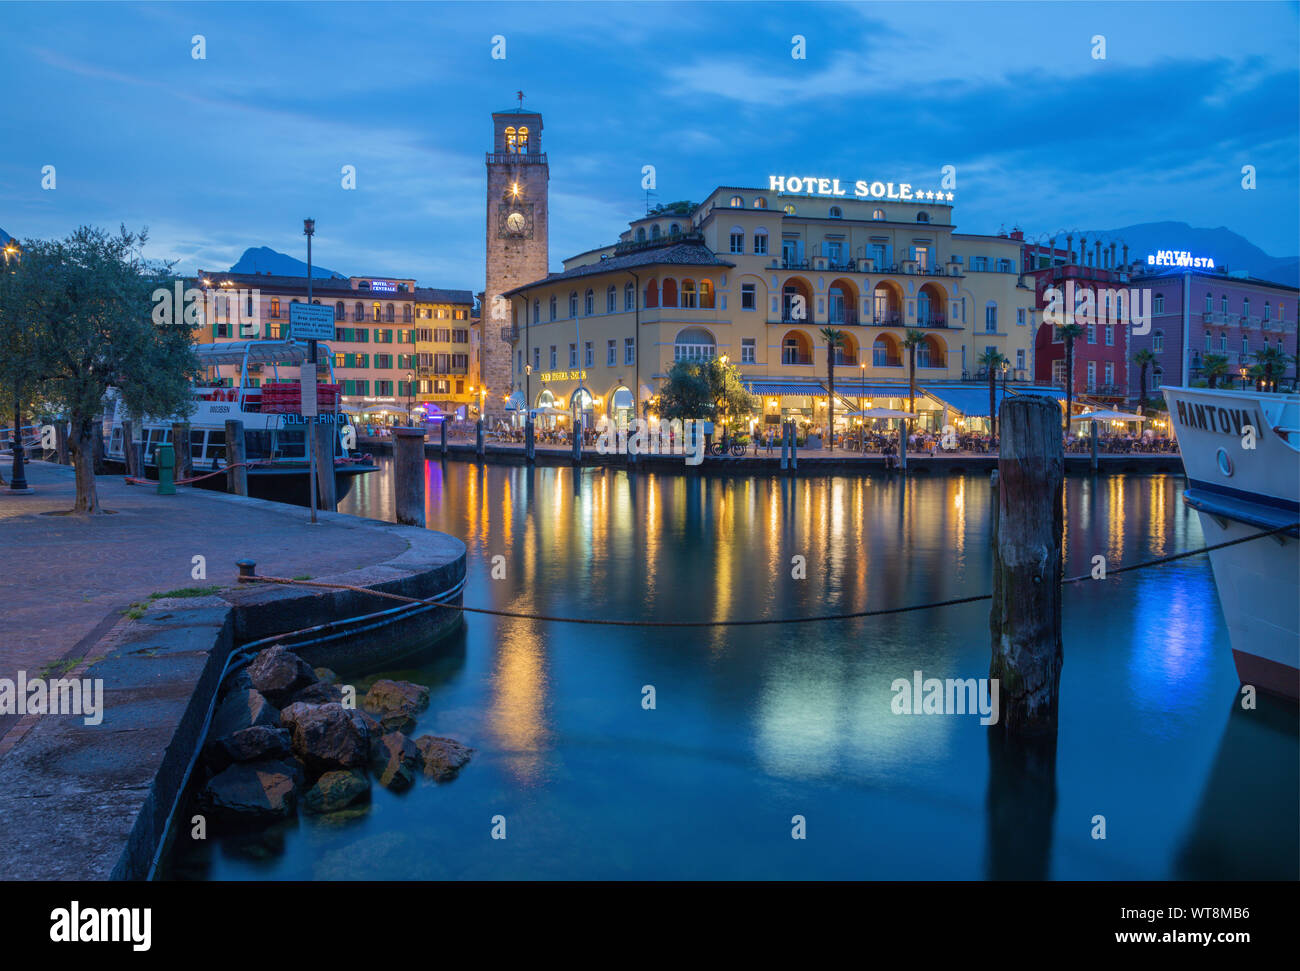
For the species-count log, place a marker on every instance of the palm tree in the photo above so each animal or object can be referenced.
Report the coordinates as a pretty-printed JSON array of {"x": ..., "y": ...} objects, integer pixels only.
[
  {"x": 912, "y": 340},
  {"x": 834, "y": 341},
  {"x": 993, "y": 361},
  {"x": 1144, "y": 359},
  {"x": 1214, "y": 367},
  {"x": 1068, "y": 333},
  {"x": 1272, "y": 360}
]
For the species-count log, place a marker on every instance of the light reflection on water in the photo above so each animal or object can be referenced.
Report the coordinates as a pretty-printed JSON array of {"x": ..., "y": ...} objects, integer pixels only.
[{"x": 755, "y": 725}]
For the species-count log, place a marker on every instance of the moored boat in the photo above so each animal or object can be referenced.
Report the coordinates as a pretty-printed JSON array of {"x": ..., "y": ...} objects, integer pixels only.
[{"x": 1241, "y": 453}]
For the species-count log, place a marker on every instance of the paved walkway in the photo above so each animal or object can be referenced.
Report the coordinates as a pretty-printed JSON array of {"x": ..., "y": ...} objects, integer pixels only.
[{"x": 68, "y": 579}]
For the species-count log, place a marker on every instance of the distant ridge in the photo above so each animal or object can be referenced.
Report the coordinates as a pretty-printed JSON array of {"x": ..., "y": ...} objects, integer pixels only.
[
  {"x": 263, "y": 260},
  {"x": 1221, "y": 244}
]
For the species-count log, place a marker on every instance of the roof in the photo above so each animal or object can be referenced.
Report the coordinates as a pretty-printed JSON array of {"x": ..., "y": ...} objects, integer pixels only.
[
  {"x": 673, "y": 254},
  {"x": 439, "y": 295},
  {"x": 258, "y": 352},
  {"x": 319, "y": 284}
]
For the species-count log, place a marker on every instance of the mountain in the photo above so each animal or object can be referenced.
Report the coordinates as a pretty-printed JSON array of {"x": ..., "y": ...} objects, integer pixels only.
[
  {"x": 1222, "y": 245},
  {"x": 263, "y": 260},
  {"x": 4, "y": 237}
]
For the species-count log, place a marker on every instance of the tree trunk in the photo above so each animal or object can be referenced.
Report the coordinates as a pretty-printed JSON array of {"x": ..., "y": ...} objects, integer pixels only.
[
  {"x": 911, "y": 380},
  {"x": 1025, "y": 615},
  {"x": 993, "y": 402},
  {"x": 82, "y": 442},
  {"x": 830, "y": 400}
]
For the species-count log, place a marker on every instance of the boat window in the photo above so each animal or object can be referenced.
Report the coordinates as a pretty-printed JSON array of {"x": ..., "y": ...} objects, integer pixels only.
[
  {"x": 257, "y": 443},
  {"x": 290, "y": 443}
]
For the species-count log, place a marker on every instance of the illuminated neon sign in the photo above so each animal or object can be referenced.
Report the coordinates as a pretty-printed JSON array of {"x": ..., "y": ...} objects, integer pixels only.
[
  {"x": 811, "y": 185},
  {"x": 1173, "y": 257}
]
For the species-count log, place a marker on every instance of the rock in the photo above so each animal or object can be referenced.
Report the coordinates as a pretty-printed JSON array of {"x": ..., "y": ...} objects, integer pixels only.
[
  {"x": 394, "y": 759},
  {"x": 255, "y": 743},
  {"x": 365, "y": 723},
  {"x": 239, "y": 681},
  {"x": 242, "y": 708},
  {"x": 326, "y": 738},
  {"x": 396, "y": 721},
  {"x": 442, "y": 758},
  {"x": 290, "y": 714},
  {"x": 280, "y": 673},
  {"x": 336, "y": 790},
  {"x": 252, "y": 791},
  {"x": 325, "y": 676},
  {"x": 386, "y": 695},
  {"x": 318, "y": 694}
]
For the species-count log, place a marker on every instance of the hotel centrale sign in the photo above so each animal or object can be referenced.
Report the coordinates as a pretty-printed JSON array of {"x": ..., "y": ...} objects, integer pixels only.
[{"x": 564, "y": 375}]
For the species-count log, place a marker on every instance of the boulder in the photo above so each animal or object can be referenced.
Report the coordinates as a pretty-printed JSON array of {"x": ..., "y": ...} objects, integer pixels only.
[
  {"x": 318, "y": 694},
  {"x": 255, "y": 743},
  {"x": 325, "y": 676},
  {"x": 290, "y": 714},
  {"x": 242, "y": 708},
  {"x": 251, "y": 791},
  {"x": 442, "y": 758},
  {"x": 365, "y": 723},
  {"x": 280, "y": 674},
  {"x": 336, "y": 790},
  {"x": 326, "y": 738},
  {"x": 396, "y": 721},
  {"x": 394, "y": 759},
  {"x": 386, "y": 695}
]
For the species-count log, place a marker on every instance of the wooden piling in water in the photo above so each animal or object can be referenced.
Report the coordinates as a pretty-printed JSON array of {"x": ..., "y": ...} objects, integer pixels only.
[
  {"x": 181, "y": 445},
  {"x": 794, "y": 449},
  {"x": 1094, "y": 445},
  {"x": 236, "y": 471},
  {"x": 785, "y": 446},
  {"x": 326, "y": 434},
  {"x": 478, "y": 439},
  {"x": 442, "y": 437},
  {"x": 408, "y": 476},
  {"x": 577, "y": 444},
  {"x": 530, "y": 441},
  {"x": 1025, "y": 615}
]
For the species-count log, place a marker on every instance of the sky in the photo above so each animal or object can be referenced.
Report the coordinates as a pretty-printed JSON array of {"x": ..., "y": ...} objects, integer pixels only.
[{"x": 218, "y": 154}]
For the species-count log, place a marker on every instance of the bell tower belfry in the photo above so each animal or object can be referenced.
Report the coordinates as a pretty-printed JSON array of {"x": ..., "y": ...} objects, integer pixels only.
[{"x": 517, "y": 177}]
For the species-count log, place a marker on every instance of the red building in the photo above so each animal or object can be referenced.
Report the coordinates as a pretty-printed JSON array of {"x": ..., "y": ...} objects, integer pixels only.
[{"x": 1101, "y": 353}]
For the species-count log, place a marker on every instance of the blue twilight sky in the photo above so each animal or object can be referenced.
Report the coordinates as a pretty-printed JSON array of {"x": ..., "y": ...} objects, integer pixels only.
[{"x": 221, "y": 154}]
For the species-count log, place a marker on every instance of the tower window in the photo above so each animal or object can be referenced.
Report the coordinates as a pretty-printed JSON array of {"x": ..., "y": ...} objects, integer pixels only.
[
  {"x": 737, "y": 202},
  {"x": 517, "y": 140}
]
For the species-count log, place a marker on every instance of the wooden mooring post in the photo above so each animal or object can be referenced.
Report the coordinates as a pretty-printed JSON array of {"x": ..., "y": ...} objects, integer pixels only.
[
  {"x": 236, "y": 471},
  {"x": 442, "y": 438},
  {"x": 1025, "y": 616},
  {"x": 327, "y": 494},
  {"x": 408, "y": 473},
  {"x": 184, "y": 454},
  {"x": 794, "y": 449},
  {"x": 530, "y": 441},
  {"x": 577, "y": 443},
  {"x": 128, "y": 451},
  {"x": 785, "y": 446},
  {"x": 1094, "y": 444}
]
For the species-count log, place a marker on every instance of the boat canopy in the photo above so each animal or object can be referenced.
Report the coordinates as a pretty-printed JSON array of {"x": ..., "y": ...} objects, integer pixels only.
[{"x": 256, "y": 352}]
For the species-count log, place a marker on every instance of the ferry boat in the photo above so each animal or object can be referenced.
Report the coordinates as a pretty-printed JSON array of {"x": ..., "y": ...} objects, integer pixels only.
[
  {"x": 275, "y": 440},
  {"x": 1237, "y": 491}
]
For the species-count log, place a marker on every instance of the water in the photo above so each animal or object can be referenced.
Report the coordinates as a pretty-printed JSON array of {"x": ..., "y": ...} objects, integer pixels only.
[{"x": 754, "y": 726}]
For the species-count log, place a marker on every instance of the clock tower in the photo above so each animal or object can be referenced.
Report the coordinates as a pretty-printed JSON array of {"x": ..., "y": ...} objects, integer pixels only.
[{"x": 517, "y": 177}]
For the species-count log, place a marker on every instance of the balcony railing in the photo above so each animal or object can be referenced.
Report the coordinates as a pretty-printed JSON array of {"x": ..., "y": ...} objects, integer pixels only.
[
  {"x": 933, "y": 320},
  {"x": 795, "y": 358},
  {"x": 510, "y": 334},
  {"x": 846, "y": 317},
  {"x": 889, "y": 318},
  {"x": 516, "y": 158}
]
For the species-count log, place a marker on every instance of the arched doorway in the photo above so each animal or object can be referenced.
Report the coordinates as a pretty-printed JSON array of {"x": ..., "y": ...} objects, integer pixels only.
[
  {"x": 621, "y": 410},
  {"x": 887, "y": 304},
  {"x": 842, "y": 303},
  {"x": 796, "y": 348},
  {"x": 796, "y": 301}
]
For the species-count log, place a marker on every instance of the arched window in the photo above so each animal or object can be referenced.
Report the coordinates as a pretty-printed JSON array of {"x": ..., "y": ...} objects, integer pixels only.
[
  {"x": 388, "y": 313},
  {"x": 1223, "y": 304},
  {"x": 674, "y": 230},
  {"x": 406, "y": 313},
  {"x": 789, "y": 208},
  {"x": 760, "y": 242},
  {"x": 923, "y": 217},
  {"x": 360, "y": 312},
  {"x": 640, "y": 234},
  {"x": 923, "y": 354},
  {"x": 611, "y": 299},
  {"x": 573, "y": 303},
  {"x": 339, "y": 311},
  {"x": 836, "y": 212},
  {"x": 884, "y": 353},
  {"x": 668, "y": 295},
  {"x": 654, "y": 231},
  {"x": 760, "y": 203},
  {"x": 378, "y": 312},
  {"x": 1209, "y": 301},
  {"x": 652, "y": 293},
  {"x": 877, "y": 214},
  {"x": 1245, "y": 307},
  {"x": 737, "y": 202},
  {"x": 694, "y": 344},
  {"x": 589, "y": 302},
  {"x": 629, "y": 297},
  {"x": 688, "y": 293},
  {"x": 516, "y": 140},
  {"x": 706, "y": 294},
  {"x": 554, "y": 308}
]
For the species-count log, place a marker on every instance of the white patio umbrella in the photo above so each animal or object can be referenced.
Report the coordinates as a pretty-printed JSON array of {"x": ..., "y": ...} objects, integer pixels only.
[
  {"x": 1107, "y": 416},
  {"x": 881, "y": 413}
]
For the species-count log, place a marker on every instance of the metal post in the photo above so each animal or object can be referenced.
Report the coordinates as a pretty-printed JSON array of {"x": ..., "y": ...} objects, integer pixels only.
[
  {"x": 794, "y": 449},
  {"x": 902, "y": 445},
  {"x": 479, "y": 448},
  {"x": 18, "y": 479},
  {"x": 1094, "y": 444},
  {"x": 309, "y": 230}
]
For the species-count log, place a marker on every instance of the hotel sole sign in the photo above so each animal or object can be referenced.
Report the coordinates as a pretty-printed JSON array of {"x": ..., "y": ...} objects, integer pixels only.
[{"x": 811, "y": 185}]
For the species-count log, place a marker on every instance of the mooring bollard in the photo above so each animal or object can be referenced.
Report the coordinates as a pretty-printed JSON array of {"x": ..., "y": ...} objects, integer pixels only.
[
  {"x": 1025, "y": 616},
  {"x": 247, "y": 568},
  {"x": 236, "y": 471},
  {"x": 408, "y": 472},
  {"x": 327, "y": 497},
  {"x": 181, "y": 447},
  {"x": 166, "y": 458}
]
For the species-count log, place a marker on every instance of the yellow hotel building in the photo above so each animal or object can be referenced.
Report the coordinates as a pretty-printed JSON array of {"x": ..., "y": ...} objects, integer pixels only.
[{"x": 754, "y": 274}]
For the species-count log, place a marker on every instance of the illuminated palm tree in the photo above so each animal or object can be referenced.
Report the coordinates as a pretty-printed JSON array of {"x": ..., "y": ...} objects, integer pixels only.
[
  {"x": 1214, "y": 367},
  {"x": 993, "y": 360},
  {"x": 912, "y": 340},
  {"x": 1144, "y": 359},
  {"x": 1068, "y": 333}
]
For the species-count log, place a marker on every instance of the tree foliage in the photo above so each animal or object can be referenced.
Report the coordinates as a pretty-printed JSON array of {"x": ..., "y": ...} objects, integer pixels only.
[{"x": 705, "y": 390}]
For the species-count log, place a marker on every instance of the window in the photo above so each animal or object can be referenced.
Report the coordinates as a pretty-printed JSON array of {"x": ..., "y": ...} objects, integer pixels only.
[
  {"x": 1267, "y": 311},
  {"x": 339, "y": 311},
  {"x": 611, "y": 299},
  {"x": 991, "y": 318},
  {"x": 640, "y": 234},
  {"x": 406, "y": 313},
  {"x": 611, "y": 352},
  {"x": 747, "y": 350},
  {"x": 1092, "y": 374},
  {"x": 706, "y": 295},
  {"x": 737, "y": 241},
  {"x": 275, "y": 306},
  {"x": 1245, "y": 346},
  {"x": 629, "y": 297},
  {"x": 748, "y": 296},
  {"x": 654, "y": 231},
  {"x": 1058, "y": 372},
  {"x": 388, "y": 314},
  {"x": 1223, "y": 343},
  {"x": 979, "y": 263},
  {"x": 573, "y": 304},
  {"x": 1158, "y": 341},
  {"x": 833, "y": 250},
  {"x": 573, "y": 355},
  {"x": 1092, "y": 333},
  {"x": 554, "y": 361},
  {"x": 1209, "y": 342},
  {"x": 836, "y": 212},
  {"x": 588, "y": 354},
  {"x": 1020, "y": 359},
  {"x": 589, "y": 302},
  {"x": 923, "y": 217},
  {"x": 1020, "y": 316},
  {"x": 553, "y": 310},
  {"x": 737, "y": 202},
  {"x": 629, "y": 350},
  {"x": 1110, "y": 335},
  {"x": 1245, "y": 307},
  {"x": 537, "y": 311},
  {"x": 460, "y": 336},
  {"x": 1158, "y": 304},
  {"x": 1110, "y": 374},
  {"x": 760, "y": 242},
  {"x": 688, "y": 293},
  {"x": 760, "y": 203},
  {"x": 378, "y": 311},
  {"x": 789, "y": 209},
  {"x": 694, "y": 344},
  {"x": 674, "y": 230},
  {"x": 360, "y": 312},
  {"x": 1209, "y": 302},
  {"x": 1223, "y": 304},
  {"x": 877, "y": 214},
  {"x": 537, "y": 359}
]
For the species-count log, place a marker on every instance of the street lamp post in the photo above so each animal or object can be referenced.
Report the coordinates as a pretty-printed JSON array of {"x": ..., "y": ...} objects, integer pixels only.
[
  {"x": 309, "y": 230},
  {"x": 18, "y": 477},
  {"x": 410, "y": 395}
]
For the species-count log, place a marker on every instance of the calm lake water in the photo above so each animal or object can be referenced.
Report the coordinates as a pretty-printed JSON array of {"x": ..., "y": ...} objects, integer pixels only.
[{"x": 753, "y": 726}]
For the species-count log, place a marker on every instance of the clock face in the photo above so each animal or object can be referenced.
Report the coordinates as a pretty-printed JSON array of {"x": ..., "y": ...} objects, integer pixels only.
[{"x": 515, "y": 223}]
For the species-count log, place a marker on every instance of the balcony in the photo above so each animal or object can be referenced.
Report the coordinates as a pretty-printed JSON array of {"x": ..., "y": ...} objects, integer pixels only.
[
  {"x": 1208, "y": 316},
  {"x": 889, "y": 318},
  {"x": 516, "y": 158},
  {"x": 1250, "y": 321},
  {"x": 510, "y": 334},
  {"x": 934, "y": 320},
  {"x": 846, "y": 317},
  {"x": 787, "y": 358}
]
